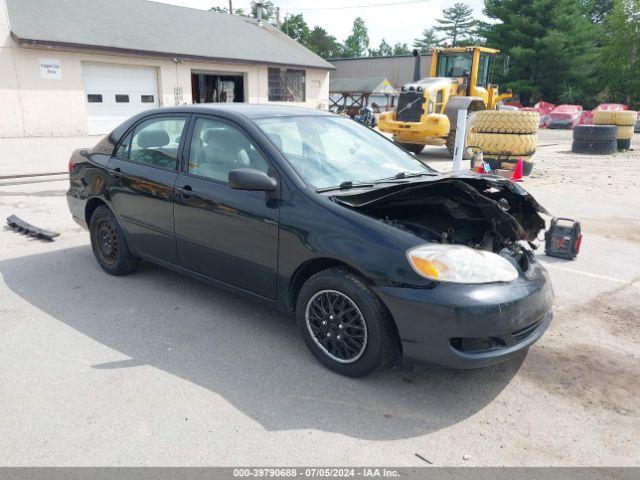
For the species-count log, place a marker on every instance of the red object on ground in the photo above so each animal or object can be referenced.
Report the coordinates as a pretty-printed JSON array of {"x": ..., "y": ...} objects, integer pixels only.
[
  {"x": 586, "y": 118},
  {"x": 543, "y": 108},
  {"x": 612, "y": 107},
  {"x": 565, "y": 116},
  {"x": 517, "y": 173}
]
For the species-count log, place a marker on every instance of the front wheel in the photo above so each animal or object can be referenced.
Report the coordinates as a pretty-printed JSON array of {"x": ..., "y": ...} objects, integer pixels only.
[
  {"x": 412, "y": 147},
  {"x": 344, "y": 324},
  {"x": 108, "y": 243}
]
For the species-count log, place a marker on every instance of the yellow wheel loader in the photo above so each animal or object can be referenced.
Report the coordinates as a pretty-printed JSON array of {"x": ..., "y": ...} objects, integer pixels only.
[{"x": 427, "y": 109}]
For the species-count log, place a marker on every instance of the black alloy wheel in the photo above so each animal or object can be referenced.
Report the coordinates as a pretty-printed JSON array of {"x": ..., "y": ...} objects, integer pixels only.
[
  {"x": 345, "y": 325},
  {"x": 336, "y": 325}
]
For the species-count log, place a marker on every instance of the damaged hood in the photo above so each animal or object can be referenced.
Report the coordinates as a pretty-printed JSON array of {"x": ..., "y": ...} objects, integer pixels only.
[{"x": 504, "y": 208}]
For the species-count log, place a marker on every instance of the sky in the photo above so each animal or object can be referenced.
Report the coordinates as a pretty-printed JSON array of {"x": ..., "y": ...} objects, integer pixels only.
[{"x": 396, "y": 23}]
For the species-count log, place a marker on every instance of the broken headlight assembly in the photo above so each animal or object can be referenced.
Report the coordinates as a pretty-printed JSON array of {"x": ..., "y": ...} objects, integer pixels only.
[{"x": 460, "y": 264}]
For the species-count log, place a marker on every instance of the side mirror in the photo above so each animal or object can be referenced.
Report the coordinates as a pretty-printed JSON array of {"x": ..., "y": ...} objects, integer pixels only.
[{"x": 251, "y": 179}]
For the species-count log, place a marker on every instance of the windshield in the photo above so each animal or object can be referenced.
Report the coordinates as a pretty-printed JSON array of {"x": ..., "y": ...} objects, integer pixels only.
[
  {"x": 454, "y": 65},
  {"x": 328, "y": 151}
]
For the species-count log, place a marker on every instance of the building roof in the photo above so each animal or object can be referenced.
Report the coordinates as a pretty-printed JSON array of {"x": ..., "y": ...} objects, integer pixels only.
[
  {"x": 361, "y": 85},
  {"x": 141, "y": 26}
]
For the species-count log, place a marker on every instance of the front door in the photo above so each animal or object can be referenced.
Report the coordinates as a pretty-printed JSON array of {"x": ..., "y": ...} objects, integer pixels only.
[
  {"x": 143, "y": 175},
  {"x": 229, "y": 235}
]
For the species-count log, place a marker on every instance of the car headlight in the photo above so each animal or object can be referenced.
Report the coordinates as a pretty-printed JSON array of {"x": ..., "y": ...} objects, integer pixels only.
[{"x": 460, "y": 264}]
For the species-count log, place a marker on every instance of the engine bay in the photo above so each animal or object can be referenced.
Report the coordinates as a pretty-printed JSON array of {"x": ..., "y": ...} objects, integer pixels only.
[{"x": 482, "y": 212}]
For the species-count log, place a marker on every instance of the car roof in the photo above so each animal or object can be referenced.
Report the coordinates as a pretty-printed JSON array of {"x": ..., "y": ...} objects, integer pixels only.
[{"x": 247, "y": 110}]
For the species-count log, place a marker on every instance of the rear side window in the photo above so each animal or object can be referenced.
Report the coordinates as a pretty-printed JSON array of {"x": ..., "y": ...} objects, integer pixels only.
[{"x": 154, "y": 142}]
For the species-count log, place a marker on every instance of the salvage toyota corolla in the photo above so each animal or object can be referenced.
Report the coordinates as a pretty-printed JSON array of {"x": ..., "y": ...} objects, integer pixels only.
[{"x": 380, "y": 258}]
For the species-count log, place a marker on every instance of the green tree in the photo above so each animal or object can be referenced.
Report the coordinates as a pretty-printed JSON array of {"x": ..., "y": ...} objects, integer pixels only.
[
  {"x": 620, "y": 59},
  {"x": 268, "y": 10},
  {"x": 550, "y": 47},
  {"x": 296, "y": 27},
  {"x": 458, "y": 24},
  {"x": 383, "y": 50},
  {"x": 401, "y": 49},
  {"x": 428, "y": 40},
  {"x": 236, "y": 11},
  {"x": 357, "y": 44},
  {"x": 597, "y": 10},
  {"x": 323, "y": 44}
]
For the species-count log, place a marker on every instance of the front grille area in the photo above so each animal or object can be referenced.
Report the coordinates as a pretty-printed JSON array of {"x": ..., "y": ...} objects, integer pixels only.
[
  {"x": 522, "y": 334},
  {"x": 477, "y": 344},
  {"x": 409, "y": 107},
  {"x": 490, "y": 344}
]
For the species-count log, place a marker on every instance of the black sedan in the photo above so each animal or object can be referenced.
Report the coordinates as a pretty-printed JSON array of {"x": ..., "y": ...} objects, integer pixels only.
[{"x": 380, "y": 258}]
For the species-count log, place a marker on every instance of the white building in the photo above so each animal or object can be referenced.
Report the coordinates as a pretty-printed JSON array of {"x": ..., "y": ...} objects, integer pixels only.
[{"x": 77, "y": 67}]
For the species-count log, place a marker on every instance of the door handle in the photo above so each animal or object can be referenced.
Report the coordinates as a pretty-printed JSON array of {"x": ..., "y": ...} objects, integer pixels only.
[
  {"x": 185, "y": 191},
  {"x": 115, "y": 174}
]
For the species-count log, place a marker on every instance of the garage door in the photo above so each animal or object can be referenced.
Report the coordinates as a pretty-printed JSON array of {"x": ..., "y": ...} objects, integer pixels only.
[{"x": 116, "y": 92}]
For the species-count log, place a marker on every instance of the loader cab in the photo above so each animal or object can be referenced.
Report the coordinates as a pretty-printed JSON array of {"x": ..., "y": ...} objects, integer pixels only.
[{"x": 470, "y": 66}]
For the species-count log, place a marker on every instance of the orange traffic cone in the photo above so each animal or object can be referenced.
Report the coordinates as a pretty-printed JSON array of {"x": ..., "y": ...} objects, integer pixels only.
[{"x": 517, "y": 173}]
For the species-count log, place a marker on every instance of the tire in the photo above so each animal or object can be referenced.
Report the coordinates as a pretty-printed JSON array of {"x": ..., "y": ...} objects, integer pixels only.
[
  {"x": 621, "y": 118},
  {"x": 624, "y": 144},
  {"x": 377, "y": 350},
  {"x": 594, "y": 147},
  {"x": 507, "y": 144},
  {"x": 412, "y": 147},
  {"x": 109, "y": 245},
  {"x": 595, "y": 132},
  {"x": 625, "y": 133},
  {"x": 506, "y": 121}
]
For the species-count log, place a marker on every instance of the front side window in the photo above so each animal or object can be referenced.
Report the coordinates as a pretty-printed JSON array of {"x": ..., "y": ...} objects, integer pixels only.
[
  {"x": 484, "y": 66},
  {"x": 286, "y": 85},
  {"x": 154, "y": 142},
  {"x": 218, "y": 147},
  {"x": 327, "y": 151},
  {"x": 454, "y": 65}
]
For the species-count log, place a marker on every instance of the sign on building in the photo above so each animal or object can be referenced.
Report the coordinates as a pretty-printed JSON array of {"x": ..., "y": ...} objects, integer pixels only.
[{"x": 51, "y": 68}]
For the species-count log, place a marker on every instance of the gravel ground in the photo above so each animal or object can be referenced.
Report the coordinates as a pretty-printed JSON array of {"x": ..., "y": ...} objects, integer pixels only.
[{"x": 158, "y": 369}]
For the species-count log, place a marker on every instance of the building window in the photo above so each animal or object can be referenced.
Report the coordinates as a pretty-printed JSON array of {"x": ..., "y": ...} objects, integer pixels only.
[
  {"x": 146, "y": 98},
  {"x": 94, "y": 98},
  {"x": 122, "y": 98},
  {"x": 286, "y": 85}
]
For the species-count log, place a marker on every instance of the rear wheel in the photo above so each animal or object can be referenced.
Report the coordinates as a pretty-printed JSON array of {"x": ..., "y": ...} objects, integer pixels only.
[
  {"x": 412, "y": 147},
  {"x": 109, "y": 245},
  {"x": 344, "y": 324}
]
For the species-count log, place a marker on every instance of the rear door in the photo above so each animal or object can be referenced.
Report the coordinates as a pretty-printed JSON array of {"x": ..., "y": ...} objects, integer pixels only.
[
  {"x": 226, "y": 234},
  {"x": 143, "y": 173}
]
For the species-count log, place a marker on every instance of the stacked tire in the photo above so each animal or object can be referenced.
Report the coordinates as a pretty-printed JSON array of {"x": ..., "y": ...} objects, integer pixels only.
[
  {"x": 624, "y": 120},
  {"x": 595, "y": 139},
  {"x": 504, "y": 136}
]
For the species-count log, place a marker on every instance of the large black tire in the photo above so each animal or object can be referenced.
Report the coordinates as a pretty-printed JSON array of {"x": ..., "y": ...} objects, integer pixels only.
[
  {"x": 320, "y": 320},
  {"x": 594, "y": 147},
  {"x": 624, "y": 144},
  {"x": 588, "y": 133},
  {"x": 412, "y": 147},
  {"x": 108, "y": 243}
]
